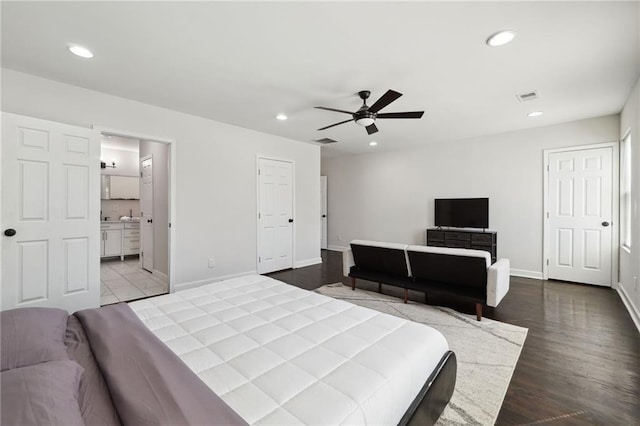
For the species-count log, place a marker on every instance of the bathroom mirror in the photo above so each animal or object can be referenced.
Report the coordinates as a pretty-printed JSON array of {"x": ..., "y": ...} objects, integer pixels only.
[{"x": 120, "y": 188}]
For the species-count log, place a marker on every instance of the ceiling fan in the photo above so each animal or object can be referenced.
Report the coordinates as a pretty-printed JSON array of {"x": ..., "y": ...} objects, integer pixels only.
[{"x": 367, "y": 115}]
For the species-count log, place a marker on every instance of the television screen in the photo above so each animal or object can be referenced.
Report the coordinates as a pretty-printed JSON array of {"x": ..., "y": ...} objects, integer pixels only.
[{"x": 462, "y": 212}]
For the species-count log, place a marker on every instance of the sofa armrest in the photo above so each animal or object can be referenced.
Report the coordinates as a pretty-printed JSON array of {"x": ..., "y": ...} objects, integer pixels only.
[
  {"x": 497, "y": 281},
  {"x": 347, "y": 261}
]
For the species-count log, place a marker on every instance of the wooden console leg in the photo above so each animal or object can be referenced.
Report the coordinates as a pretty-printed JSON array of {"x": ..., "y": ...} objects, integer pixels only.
[
  {"x": 379, "y": 287},
  {"x": 406, "y": 295},
  {"x": 353, "y": 283},
  {"x": 479, "y": 311}
]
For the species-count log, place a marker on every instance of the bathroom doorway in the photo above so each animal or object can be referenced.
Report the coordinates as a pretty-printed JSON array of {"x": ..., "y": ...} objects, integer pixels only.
[{"x": 123, "y": 276}]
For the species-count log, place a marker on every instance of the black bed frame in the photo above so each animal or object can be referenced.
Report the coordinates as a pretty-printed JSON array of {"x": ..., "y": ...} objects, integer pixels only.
[{"x": 434, "y": 395}]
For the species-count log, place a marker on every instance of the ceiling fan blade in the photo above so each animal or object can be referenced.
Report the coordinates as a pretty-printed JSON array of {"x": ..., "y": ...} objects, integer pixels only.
[
  {"x": 371, "y": 129},
  {"x": 412, "y": 114},
  {"x": 384, "y": 100},
  {"x": 335, "y": 110},
  {"x": 336, "y": 124}
]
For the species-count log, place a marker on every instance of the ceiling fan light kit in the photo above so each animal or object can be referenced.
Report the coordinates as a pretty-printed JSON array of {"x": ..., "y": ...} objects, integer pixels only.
[{"x": 366, "y": 116}]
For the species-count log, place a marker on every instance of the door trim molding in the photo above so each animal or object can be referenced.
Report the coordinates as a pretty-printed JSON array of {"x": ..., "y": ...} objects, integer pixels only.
[
  {"x": 293, "y": 207},
  {"x": 615, "y": 182},
  {"x": 172, "y": 189}
]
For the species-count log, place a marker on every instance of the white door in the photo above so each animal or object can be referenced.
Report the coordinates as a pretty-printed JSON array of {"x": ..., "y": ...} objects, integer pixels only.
[
  {"x": 275, "y": 215},
  {"x": 146, "y": 213},
  {"x": 580, "y": 215},
  {"x": 323, "y": 212},
  {"x": 50, "y": 215}
]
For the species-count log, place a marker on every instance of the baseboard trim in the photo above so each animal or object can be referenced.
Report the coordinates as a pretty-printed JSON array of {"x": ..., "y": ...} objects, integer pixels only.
[
  {"x": 628, "y": 303},
  {"x": 164, "y": 277},
  {"x": 336, "y": 248},
  {"x": 526, "y": 274},
  {"x": 198, "y": 283},
  {"x": 308, "y": 262}
]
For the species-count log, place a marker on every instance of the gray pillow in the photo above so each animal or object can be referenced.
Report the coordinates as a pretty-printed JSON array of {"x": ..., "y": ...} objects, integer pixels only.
[
  {"x": 32, "y": 335},
  {"x": 42, "y": 394}
]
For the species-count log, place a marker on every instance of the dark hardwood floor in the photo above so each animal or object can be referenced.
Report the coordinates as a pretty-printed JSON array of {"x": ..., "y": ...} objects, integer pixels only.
[{"x": 580, "y": 364}]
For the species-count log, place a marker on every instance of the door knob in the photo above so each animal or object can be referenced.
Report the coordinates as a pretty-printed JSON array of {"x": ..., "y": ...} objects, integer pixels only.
[
  {"x": 290, "y": 220},
  {"x": 605, "y": 223},
  {"x": 324, "y": 215},
  {"x": 149, "y": 220},
  {"x": 10, "y": 232}
]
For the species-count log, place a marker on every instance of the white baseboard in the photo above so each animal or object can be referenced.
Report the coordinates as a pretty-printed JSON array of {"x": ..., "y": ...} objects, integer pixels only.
[
  {"x": 161, "y": 275},
  {"x": 308, "y": 262},
  {"x": 192, "y": 284},
  {"x": 628, "y": 303},
  {"x": 336, "y": 248},
  {"x": 526, "y": 274}
]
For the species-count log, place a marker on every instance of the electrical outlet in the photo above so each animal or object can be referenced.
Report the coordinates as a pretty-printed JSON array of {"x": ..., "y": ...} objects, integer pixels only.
[
  {"x": 339, "y": 237},
  {"x": 212, "y": 263}
]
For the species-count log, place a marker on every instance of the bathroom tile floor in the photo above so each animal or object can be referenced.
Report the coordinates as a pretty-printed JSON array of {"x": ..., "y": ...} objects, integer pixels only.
[{"x": 122, "y": 281}]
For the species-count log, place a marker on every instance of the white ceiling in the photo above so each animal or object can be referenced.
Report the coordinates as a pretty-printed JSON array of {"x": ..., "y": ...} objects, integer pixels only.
[{"x": 244, "y": 62}]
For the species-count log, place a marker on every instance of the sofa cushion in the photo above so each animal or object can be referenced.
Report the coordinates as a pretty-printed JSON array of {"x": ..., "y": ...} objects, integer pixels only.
[
  {"x": 445, "y": 266},
  {"x": 385, "y": 258},
  {"x": 454, "y": 252}
]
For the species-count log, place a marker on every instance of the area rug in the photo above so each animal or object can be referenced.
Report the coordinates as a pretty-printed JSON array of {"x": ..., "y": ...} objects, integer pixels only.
[{"x": 487, "y": 352}]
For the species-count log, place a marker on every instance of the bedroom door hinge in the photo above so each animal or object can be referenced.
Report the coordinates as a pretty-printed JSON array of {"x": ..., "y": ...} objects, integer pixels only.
[
  {"x": 258, "y": 172},
  {"x": 547, "y": 167},
  {"x": 259, "y": 259},
  {"x": 547, "y": 215},
  {"x": 140, "y": 174},
  {"x": 259, "y": 216},
  {"x": 547, "y": 262}
]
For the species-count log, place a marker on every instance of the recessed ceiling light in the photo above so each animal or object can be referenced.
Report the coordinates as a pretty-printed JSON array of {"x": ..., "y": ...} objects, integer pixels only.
[
  {"x": 81, "y": 51},
  {"x": 373, "y": 143},
  {"x": 281, "y": 117},
  {"x": 501, "y": 38},
  {"x": 535, "y": 114}
]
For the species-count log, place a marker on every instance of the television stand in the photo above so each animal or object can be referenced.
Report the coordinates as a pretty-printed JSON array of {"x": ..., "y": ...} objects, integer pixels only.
[{"x": 464, "y": 238}]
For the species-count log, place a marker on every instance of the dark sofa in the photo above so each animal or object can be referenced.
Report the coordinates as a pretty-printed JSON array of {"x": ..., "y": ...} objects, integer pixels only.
[{"x": 463, "y": 273}]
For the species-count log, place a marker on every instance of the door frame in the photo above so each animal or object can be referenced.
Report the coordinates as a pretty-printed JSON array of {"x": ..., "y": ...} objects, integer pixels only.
[
  {"x": 293, "y": 207},
  {"x": 172, "y": 188},
  {"x": 615, "y": 204}
]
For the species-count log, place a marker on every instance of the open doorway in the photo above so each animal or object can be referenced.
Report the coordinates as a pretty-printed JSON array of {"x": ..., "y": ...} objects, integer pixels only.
[{"x": 125, "y": 275}]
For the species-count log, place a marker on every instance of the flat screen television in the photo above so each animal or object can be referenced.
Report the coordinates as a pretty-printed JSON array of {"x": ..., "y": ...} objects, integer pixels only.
[{"x": 462, "y": 212}]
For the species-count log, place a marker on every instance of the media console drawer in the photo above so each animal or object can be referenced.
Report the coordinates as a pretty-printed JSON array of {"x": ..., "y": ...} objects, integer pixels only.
[
  {"x": 482, "y": 239},
  {"x": 457, "y": 238}
]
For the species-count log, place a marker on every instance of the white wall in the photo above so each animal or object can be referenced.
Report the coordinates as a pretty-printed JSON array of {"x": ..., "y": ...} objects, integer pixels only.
[
  {"x": 630, "y": 260},
  {"x": 160, "y": 157},
  {"x": 215, "y": 169},
  {"x": 388, "y": 196}
]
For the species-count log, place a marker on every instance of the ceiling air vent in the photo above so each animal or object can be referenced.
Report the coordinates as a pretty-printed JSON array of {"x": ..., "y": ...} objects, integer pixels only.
[
  {"x": 528, "y": 96},
  {"x": 325, "y": 141}
]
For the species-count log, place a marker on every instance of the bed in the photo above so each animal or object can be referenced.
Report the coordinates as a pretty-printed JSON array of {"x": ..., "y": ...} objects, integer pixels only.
[{"x": 249, "y": 350}]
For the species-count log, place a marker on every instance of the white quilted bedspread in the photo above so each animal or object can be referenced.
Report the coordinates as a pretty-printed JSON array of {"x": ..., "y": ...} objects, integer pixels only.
[{"x": 281, "y": 355}]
